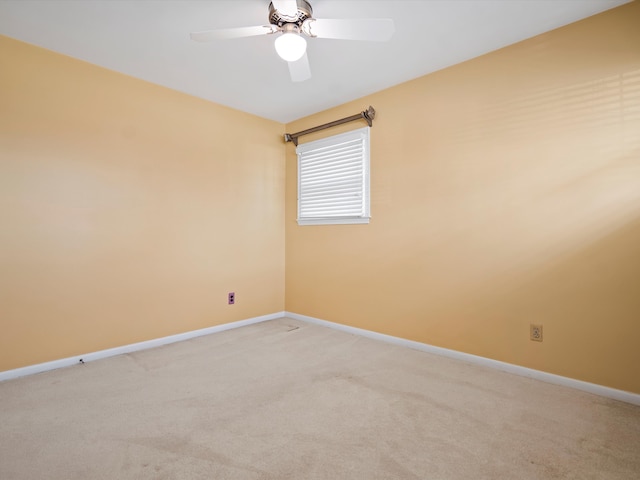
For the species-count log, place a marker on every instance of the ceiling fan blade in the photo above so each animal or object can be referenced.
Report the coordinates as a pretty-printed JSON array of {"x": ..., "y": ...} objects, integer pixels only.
[
  {"x": 300, "y": 69},
  {"x": 286, "y": 7},
  {"x": 228, "y": 33},
  {"x": 374, "y": 29}
]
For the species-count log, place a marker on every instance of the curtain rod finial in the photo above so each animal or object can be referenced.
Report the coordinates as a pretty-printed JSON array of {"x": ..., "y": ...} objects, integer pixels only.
[
  {"x": 371, "y": 113},
  {"x": 291, "y": 138}
]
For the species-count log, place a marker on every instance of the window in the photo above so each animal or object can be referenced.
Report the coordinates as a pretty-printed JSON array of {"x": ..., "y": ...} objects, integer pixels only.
[{"x": 333, "y": 179}]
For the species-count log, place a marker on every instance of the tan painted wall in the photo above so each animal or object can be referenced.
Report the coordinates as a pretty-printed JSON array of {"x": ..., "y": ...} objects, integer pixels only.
[
  {"x": 505, "y": 191},
  {"x": 127, "y": 210}
]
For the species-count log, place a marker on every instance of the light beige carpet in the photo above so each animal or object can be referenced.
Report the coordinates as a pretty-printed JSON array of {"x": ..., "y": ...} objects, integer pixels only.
[{"x": 288, "y": 400}]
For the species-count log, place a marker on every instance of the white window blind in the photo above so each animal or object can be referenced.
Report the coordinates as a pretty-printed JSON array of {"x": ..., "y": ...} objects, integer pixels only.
[{"x": 333, "y": 179}]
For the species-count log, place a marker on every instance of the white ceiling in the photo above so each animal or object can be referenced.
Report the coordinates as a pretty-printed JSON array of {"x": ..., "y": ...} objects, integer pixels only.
[{"x": 149, "y": 39}]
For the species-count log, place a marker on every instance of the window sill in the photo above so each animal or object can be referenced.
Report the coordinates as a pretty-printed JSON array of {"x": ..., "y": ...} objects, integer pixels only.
[{"x": 334, "y": 221}]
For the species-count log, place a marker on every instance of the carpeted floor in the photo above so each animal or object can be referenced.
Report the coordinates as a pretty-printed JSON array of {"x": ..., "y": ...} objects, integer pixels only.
[{"x": 289, "y": 400}]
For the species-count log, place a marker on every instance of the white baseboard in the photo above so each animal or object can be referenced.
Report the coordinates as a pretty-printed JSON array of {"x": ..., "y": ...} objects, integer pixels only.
[
  {"x": 593, "y": 388},
  {"x": 134, "y": 347}
]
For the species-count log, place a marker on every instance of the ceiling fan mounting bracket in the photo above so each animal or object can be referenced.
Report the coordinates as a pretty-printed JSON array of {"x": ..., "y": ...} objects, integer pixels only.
[{"x": 278, "y": 18}]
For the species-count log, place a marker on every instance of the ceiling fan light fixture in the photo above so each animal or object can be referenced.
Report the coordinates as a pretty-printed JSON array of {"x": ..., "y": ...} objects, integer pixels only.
[{"x": 291, "y": 46}]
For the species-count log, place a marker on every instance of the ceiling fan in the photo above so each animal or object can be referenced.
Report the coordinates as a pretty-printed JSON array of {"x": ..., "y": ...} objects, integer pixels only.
[{"x": 292, "y": 20}]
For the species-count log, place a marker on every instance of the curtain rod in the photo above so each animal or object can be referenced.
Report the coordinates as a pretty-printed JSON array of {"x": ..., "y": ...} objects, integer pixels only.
[{"x": 369, "y": 114}]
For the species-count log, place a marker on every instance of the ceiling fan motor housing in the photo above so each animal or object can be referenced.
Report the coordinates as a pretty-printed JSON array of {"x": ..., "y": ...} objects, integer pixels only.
[{"x": 278, "y": 18}]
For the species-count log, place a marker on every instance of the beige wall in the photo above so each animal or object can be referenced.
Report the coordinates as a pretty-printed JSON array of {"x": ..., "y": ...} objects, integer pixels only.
[
  {"x": 128, "y": 210},
  {"x": 505, "y": 191}
]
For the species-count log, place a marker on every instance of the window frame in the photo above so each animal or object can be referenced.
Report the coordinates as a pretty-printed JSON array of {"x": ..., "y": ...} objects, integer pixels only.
[{"x": 363, "y": 135}]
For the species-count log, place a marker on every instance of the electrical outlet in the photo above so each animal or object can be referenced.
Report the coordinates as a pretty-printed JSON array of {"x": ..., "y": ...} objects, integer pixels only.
[
  {"x": 232, "y": 298},
  {"x": 535, "y": 332}
]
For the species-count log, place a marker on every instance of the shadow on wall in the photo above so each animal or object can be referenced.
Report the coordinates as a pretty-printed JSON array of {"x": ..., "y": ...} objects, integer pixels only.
[
  {"x": 531, "y": 217},
  {"x": 599, "y": 103},
  {"x": 588, "y": 301},
  {"x": 537, "y": 220},
  {"x": 517, "y": 185}
]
